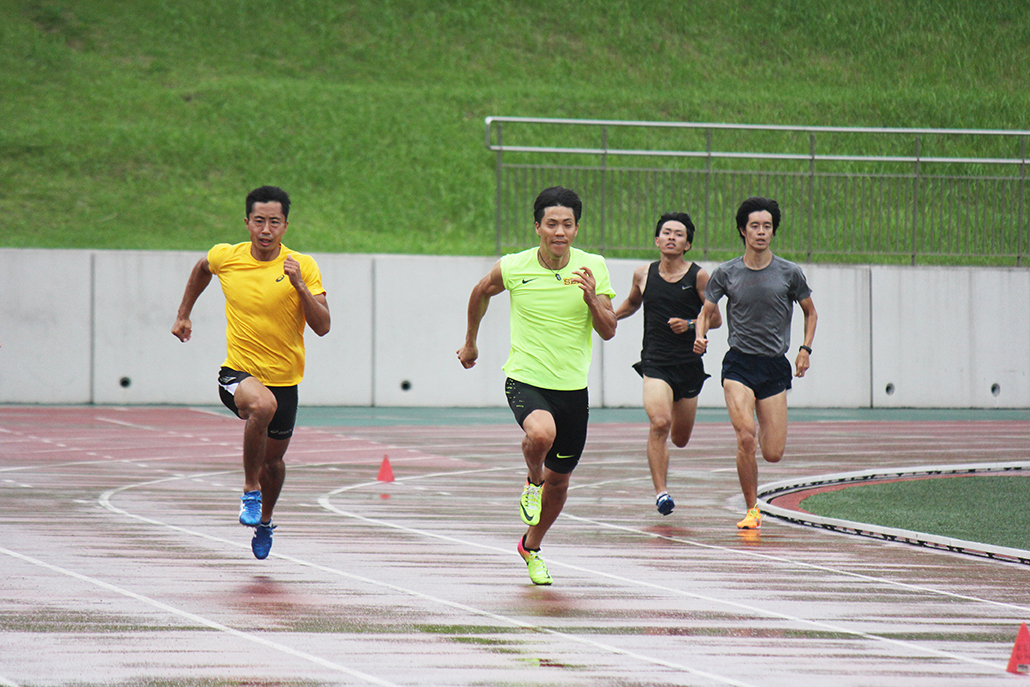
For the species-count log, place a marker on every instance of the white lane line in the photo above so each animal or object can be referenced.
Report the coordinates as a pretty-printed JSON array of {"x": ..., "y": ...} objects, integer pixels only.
[
  {"x": 753, "y": 610},
  {"x": 105, "y": 501},
  {"x": 800, "y": 564},
  {"x": 713, "y": 547},
  {"x": 324, "y": 502},
  {"x": 200, "y": 620}
]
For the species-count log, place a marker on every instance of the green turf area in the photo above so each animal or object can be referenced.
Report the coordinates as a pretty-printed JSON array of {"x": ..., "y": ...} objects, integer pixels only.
[
  {"x": 143, "y": 123},
  {"x": 986, "y": 508}
]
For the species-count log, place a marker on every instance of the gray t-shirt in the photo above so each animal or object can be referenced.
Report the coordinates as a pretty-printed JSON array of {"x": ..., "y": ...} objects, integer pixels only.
[{"x": 759, "y": 303}]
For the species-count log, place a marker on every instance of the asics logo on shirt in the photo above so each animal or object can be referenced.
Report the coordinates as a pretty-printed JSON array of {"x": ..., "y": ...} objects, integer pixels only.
[{"x": 281, "y": 277}]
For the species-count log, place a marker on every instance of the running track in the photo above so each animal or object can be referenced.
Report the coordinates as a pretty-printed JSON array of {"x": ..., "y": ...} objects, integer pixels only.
[{"x": 122, "y": 562}]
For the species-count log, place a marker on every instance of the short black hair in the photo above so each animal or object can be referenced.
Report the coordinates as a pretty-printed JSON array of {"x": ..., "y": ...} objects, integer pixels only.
[
  {"x": 681, "y": 217},
  {"x": 269, "y": 194},
  {"x": 757, "y": 204},
  {"x": 557, "y": 196}
]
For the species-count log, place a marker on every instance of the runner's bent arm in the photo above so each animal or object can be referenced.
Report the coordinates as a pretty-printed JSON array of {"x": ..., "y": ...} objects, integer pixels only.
[
  {"x": 636, "y": 295},
  {"x": 715, "y": 318},
  {"x": 709, "y": 310},
  {"x": 802, "y": 362},
  {"x": 200, "y": 277},
  {"x": 488, "y": 287},
  {"x": 316, "y": 308},
  {"x": 603, "y": 316},
  {"x": 601, "y": 312}
]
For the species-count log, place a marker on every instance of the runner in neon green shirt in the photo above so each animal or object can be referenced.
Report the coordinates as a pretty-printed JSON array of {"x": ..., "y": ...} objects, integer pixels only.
[{"x": 559, "y": 296}]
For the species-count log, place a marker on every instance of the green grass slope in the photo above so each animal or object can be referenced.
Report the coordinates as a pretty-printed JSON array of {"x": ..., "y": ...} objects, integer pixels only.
[{"x": 143, "y": 124}]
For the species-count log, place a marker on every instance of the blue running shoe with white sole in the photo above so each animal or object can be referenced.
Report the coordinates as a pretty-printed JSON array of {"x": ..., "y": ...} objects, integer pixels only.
[
  {"x": 261, "y": 544},
  {"x": 250, "y": 508},
  {"x": 665, "y": 504}
]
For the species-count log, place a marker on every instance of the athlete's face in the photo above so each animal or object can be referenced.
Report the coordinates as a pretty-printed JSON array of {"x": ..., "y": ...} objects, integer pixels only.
[
  {"x": 266, "y": 224},
  {"x": 672, "y": 238},
  {"x": 758, "y": 232},
  {"x": 557, "y": 230}
]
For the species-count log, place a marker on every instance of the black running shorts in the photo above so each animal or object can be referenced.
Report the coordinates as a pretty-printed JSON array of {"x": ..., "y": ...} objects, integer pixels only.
[
  {"x": 570, "y": 410},
  {"x": 766, "y": 376},
  {"x": 281, "y": 426},
  {"x": 686, "y": 379}
]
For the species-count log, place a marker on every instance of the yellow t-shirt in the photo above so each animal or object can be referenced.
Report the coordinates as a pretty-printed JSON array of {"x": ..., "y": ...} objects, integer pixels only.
[
  {"x": 264, "y": 318},
  {"x": 551, "y": 325}
]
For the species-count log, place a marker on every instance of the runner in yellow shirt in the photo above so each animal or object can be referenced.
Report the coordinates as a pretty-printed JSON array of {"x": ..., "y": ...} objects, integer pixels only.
[
  {"x": 271, "y": 293},
  {"x": 559, "y": 295}
]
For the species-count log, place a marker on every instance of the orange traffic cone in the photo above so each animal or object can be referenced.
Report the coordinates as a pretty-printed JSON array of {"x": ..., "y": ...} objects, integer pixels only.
[
  {"x": 1020, "y": 661},
  {"x": 385, "y": 471}
]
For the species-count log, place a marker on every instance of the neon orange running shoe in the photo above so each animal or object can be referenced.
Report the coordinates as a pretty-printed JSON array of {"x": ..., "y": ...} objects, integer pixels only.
[{"x": 751, "y": 521}]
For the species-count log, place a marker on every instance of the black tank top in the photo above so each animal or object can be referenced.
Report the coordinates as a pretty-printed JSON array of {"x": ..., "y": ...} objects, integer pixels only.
[{"x": 663, "y": 300}]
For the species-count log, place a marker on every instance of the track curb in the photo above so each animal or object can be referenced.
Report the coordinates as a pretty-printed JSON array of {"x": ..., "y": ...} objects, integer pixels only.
[{"x": 768, "y": 493}]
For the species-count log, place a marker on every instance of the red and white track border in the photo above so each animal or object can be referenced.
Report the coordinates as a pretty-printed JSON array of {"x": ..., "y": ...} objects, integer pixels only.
[{"x": 769, "y": 492}]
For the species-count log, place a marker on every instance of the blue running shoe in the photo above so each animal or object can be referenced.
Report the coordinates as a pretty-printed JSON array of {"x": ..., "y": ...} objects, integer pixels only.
[
  {"x": 665, "y": 504},
  {"x": 261, "y": 544},
  {"x": 250, "y": 508}
]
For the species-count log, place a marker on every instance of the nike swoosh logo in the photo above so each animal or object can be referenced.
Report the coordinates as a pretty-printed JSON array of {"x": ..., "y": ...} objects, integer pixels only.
[
  {"x": 561, "y": 457},
  {"x": 684, "y": 288},
  {"x": 526, "y": 281}
]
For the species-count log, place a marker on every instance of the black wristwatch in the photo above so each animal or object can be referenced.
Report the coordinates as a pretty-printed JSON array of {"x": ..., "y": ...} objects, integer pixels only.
[{"x": 805, "y": 348}]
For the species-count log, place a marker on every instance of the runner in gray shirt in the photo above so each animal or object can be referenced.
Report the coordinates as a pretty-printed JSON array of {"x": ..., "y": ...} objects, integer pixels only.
[{"x": 761, "y": 290}]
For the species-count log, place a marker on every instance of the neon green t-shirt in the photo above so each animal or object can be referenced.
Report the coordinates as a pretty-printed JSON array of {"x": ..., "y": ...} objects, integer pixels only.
[
  {"x": 264, "y": 318},
  {"x": 551, "y": 325}
]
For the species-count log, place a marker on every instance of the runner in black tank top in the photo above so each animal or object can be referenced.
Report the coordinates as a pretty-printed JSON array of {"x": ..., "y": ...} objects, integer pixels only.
[
  {"x": 672, "y": 293},
  {"x": 663, "y": 301}
]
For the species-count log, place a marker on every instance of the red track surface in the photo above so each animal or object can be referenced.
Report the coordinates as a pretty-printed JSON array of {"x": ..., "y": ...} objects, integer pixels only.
[{"x": 121, "y": 562}]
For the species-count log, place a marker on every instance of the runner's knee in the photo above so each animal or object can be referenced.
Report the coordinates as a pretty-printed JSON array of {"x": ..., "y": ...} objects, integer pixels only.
[
  {"x": 660, "y": 425},
  {"x": 539, "y": 441},
  {"x": 747, "y": 442},
  {"x": 260, "y": 407},
  {"x": 680, "y": 436}
]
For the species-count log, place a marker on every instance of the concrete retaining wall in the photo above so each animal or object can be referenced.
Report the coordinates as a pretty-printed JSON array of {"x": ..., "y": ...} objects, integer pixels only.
[{"x": 94, "y": 327}]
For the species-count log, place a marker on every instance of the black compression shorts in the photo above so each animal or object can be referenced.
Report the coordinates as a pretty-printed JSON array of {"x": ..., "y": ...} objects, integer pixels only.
[
  {"x": 570, "y": 410},
  {"x": 281, "y": 426}
]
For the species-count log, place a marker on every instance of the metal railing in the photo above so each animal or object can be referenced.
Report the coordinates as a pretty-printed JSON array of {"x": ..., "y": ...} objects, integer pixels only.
[{"x": 934, "y": 196}]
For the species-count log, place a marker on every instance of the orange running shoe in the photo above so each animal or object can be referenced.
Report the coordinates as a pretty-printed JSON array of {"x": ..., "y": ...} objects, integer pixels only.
[{"x": 751, "y": 521}]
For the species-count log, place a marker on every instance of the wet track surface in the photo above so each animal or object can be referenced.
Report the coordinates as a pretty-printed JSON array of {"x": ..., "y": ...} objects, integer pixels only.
[{"x": 123, "y": 564}]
